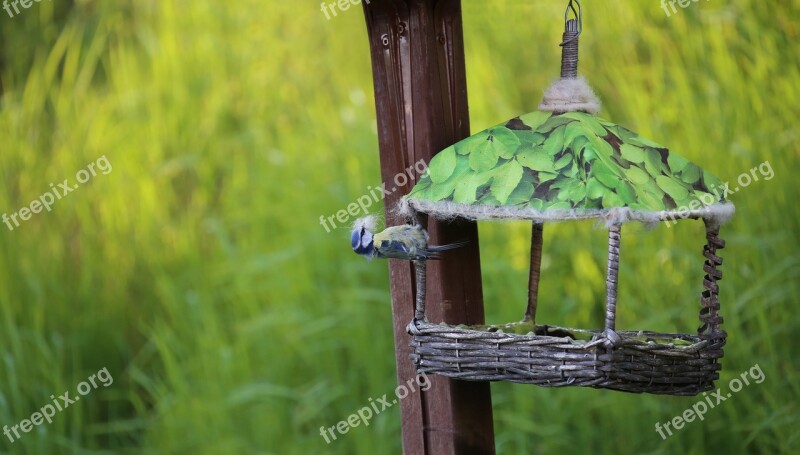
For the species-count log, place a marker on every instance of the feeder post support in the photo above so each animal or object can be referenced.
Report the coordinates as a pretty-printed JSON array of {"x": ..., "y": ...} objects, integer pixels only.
[
  {"x": 417, "y": 50},
  {"x": 534, "y": 272}
]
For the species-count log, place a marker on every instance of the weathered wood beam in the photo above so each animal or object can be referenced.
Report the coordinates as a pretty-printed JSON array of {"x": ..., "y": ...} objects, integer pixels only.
[{"x": 419, "y": 76}]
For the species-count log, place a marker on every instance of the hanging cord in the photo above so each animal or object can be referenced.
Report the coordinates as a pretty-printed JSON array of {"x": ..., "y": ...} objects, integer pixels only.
[{"x": 569, "y": 44}]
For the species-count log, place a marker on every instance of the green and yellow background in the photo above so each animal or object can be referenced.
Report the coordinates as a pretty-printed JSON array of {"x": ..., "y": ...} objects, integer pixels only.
[{"x": 197, "y": 271}]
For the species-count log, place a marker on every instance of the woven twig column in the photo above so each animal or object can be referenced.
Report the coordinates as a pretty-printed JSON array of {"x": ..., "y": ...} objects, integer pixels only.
[
  {"x": 614, "y": 235},
  {"x": 709, "y": 299},
  {"x": 420, "y": 270}
]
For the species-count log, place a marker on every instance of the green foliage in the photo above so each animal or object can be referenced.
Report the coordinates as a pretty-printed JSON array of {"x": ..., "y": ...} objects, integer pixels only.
[
  {"x": 572, "y": 161},
  {"x": 232, "y": 322}
]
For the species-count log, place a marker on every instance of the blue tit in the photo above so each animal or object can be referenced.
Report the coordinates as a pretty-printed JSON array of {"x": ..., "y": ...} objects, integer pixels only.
[{"x": 396, "y": 242}]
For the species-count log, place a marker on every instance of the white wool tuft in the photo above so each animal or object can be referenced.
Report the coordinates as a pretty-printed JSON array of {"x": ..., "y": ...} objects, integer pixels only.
[
  {"x": 368, "y": 222},
  {"x": 403, "y": 209},
  {"x": 570, "y": 95}
]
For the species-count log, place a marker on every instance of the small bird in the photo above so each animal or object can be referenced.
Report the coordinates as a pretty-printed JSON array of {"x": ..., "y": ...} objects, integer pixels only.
[{"x": 396, "y": 242}]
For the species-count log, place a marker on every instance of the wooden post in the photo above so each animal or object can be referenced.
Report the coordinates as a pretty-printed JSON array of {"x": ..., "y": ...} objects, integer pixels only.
[{"x": 419, "y": 76}]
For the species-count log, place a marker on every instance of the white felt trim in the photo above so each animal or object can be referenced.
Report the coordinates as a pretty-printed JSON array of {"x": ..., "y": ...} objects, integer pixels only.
[
  {"x": 570, "y": 95},
  {"x": 716, "y": 214}
]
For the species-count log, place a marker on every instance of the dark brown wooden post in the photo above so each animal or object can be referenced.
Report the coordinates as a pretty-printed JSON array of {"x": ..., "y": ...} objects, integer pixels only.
[{"x": 418, "y": 68}]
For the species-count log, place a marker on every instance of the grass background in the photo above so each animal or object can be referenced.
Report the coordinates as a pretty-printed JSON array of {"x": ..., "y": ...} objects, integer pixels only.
[{"x": 232, "y": 322}]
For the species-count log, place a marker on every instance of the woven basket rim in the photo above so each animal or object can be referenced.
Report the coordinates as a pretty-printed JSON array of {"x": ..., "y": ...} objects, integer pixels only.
[{"x": 627, "y": 336}]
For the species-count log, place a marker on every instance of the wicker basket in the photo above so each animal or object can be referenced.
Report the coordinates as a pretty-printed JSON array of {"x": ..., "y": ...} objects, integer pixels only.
[{"x": 658, "y": 363}]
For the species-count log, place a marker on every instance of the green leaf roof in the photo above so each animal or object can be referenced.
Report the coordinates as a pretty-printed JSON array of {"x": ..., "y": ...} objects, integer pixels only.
[{"x": 572, "y": 161}]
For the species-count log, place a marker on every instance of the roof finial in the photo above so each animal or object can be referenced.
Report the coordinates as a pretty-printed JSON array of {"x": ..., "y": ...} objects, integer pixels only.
[
  {"x": 570, "y": 93},
  {"x": 569, "y": 43}
]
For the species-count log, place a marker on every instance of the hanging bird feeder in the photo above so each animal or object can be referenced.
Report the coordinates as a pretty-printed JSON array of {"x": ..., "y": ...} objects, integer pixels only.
[{"x": 563, "y": 163}]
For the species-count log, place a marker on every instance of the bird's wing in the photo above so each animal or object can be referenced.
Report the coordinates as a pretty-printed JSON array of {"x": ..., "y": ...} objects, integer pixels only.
[{"x": 393, "y": 249}]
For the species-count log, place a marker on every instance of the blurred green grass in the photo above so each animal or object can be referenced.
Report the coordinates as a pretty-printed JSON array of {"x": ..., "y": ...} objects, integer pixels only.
[{"x": 198, "y": 273}]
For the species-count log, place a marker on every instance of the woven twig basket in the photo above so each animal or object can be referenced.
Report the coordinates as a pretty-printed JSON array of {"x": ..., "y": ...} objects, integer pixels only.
[
  {"x": 641, "y": 362},
  {"x": 638, "y": 361}
]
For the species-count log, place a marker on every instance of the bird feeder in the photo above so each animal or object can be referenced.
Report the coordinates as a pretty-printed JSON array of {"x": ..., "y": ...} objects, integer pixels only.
[{"x": 563, "y": 163}]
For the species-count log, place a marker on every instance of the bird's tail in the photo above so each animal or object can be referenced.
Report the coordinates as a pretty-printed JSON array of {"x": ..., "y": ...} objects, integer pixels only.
[
  {"x": 433, "y": 251},
  {"x": 449, "y": 246}
]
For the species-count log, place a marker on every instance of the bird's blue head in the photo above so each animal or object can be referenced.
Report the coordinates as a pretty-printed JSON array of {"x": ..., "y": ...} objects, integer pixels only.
[{"x": 361, "y": 241}]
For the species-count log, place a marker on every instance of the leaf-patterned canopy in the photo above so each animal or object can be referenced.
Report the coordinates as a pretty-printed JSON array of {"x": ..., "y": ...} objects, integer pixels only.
[{"x": 572, "y": 163}]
